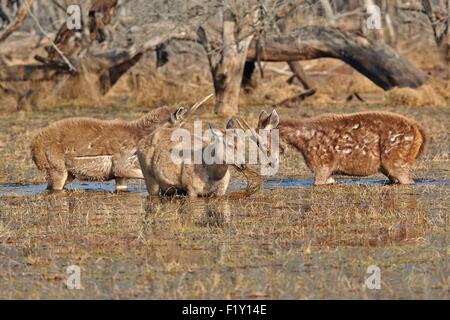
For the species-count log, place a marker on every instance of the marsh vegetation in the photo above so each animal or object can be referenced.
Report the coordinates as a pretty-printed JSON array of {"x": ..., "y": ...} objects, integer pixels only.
[
  {"x": 280, "y": 242},
  {"x": 281, "y": 239}
]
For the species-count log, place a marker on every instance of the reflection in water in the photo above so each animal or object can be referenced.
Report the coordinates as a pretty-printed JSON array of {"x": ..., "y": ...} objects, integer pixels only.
[
  {"x": 369, "y": 216},
  {"x": 180, "y": 245},
  {"x": 202, "y": 212},
  {"x": 305, "y": 183},
  {"x": 12, "y": 189}
]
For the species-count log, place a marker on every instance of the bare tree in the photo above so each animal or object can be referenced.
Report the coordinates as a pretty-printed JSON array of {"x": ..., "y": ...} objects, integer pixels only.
[
  {"x": 227, "y": 63},
  {"x": 232, "y": 33},
  {"x": 21, "y": 15}
]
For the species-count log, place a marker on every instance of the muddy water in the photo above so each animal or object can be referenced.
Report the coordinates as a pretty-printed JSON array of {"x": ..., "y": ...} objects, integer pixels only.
[
  {"x": 27, "y": 190},
  {"x": 291, "y": 241}
]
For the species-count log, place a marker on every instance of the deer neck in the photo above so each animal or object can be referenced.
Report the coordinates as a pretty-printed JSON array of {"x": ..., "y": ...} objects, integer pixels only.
[
  {"x": 216, "y": 172},
  {"x": 294, "y": 132},
  {"x": 145, "y": 125}
]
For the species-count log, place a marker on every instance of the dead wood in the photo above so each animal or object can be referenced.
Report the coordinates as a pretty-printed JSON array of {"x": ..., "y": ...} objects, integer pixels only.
[
  {"x": 21, "y": 15},
  {"x": 375, "y": 60}
]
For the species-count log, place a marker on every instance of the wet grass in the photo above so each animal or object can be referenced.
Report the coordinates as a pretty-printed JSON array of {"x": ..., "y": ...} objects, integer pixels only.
[{"x": 299, "y": 242}]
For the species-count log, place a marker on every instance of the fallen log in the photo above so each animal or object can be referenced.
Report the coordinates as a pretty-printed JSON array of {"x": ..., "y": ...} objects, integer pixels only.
[
  {"x": 109, "y": 66},
  {"x": 33, "y": 72},
  {"x": 375, "y": 60}
]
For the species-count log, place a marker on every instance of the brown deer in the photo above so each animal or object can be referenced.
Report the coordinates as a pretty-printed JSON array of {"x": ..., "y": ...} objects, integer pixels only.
[
  {"x": 92, "y": 149},
  {"x": 358, "y": 144},
  {"x": 164, "y": 175}
]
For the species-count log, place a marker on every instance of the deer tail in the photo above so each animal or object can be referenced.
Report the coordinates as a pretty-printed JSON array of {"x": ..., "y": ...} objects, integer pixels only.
[
  {"x": 38, "y": 153},
  {"x": 420, "y": 144}
]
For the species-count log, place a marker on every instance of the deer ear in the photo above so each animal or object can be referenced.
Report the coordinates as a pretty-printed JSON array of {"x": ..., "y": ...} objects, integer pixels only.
[
  {"x": 263, "y": 116},
  {"x": 215, "y": 132},
  {"x": 268, "y": 122},
  {"x": 232, "y": 124},
  {"x": 177, "y": 115},
  {"x": 274, "y": 120}
]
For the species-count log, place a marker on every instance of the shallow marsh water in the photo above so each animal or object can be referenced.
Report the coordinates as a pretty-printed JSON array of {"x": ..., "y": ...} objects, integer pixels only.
[{"x": 288, "y": 241}]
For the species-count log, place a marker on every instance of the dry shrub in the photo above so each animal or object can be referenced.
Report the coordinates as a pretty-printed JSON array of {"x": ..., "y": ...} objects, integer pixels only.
[
  {"x": 441, "y": 86},
  {"x": 81, "y": 90},
  {"x": 346, "y": 83},
  {"x": 321, "y": 99},
  {"x": 426, "y": 55},
  {"x": 430, "y": 94},
  {"x": 147, "y": 87},
  {"x": 269, "y": 91},
  {"x": 7, "y": 103}
]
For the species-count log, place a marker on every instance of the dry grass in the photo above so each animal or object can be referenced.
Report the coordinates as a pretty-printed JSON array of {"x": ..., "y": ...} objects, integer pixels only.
[
  {"x": 297, "y": 243},
  {"x": 278, "y": 243},
  {"x": 433, "y": 93},
  {"x": 184, "y": 80}
]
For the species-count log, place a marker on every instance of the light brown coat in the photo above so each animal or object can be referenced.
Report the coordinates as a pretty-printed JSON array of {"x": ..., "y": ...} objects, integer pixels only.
[
  {"x": 163, "y": 175},
  {"x": 92, "y": 149}
]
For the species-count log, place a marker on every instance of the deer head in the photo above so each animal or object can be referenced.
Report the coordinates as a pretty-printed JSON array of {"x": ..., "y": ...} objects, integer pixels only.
[{"x": 266, "y": 140}]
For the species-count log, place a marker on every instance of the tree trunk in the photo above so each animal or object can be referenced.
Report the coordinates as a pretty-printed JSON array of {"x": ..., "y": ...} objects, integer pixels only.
[
  {"x": 295, "y": 66},
  {"x": 227, "y": 74},
  {"x": 248, "y": 82},
  {"x": 375, "y": 60}
]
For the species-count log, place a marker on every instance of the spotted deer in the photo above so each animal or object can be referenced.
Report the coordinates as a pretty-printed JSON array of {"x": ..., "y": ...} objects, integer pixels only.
[
  {"x": 163, "y": 175},
  {"x": 358, "y": 144},
  {"x": 92, "y": 149}
]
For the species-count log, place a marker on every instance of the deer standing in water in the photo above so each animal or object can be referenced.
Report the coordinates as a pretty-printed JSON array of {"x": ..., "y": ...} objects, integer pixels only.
[
  {"x": 92, "y": 149},
  {"x": 163, "y": 174},
  {"x": 358, "y": 144}
]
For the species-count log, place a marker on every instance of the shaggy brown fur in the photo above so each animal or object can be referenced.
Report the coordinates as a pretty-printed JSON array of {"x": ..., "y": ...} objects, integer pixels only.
[
  {"x": 92, "y": 149},
  {"x": 358, "y": 144},
  {"x": 163, "y": 174}
]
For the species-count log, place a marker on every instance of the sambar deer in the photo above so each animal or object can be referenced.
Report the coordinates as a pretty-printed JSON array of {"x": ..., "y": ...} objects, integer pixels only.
[
  {"x": 358, "y": 144},
  {"x": 163, "y": 174},
  {"x": 92, "y": 149}
]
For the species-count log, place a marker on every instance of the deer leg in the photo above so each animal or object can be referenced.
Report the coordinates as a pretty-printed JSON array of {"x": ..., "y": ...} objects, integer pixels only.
[
  {"x": 219, "y": 188},
  {"x": 70, "y": 178},
  {"x": 56, "y": 179},
  {"x": 151, "y": 184},
  {"x": 57, "y": 173},
  {"x": 322, "y": 176},
  {"x": 191, "y": 193},
  {"x": 401, "y": 175},
  {"x": 121, "y": 184},
  {"x": 126, "y": 166},
  {"x": 331, "y": 180}
]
